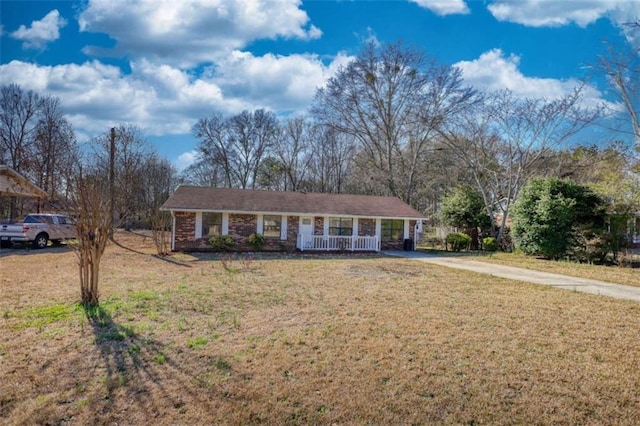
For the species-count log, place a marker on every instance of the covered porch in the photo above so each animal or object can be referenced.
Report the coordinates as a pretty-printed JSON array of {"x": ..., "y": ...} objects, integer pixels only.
[{"x": 337, "y": 243}]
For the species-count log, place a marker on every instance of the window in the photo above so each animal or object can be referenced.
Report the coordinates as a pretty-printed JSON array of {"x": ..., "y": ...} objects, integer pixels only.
[
  {"x": 272, "y": 226},
  {"x": 211, "y": 224},
  {"x": 340, "y": 226},
  {"x": 392, "y": 229}
]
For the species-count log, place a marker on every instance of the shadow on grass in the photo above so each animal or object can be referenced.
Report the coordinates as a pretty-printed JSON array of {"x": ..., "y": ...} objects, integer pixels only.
[
  {"x": 138, "y": 371},
  {"x": 156, "y": 256},
  {"x": 25, "y": 249}
]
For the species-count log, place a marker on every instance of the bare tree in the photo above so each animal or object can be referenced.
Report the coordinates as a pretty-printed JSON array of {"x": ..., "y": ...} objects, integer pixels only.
[
  {"x": 621, "y": 65},
  {"x": 159, "y": 180},
  {"x": 18, "y": 110},
  {"x": 130, "y": 153},
  {"x": 237, "y": 144},
  {"x": 332, "y": 161},
  {"x": 390, "y": 100},
  {"x": 294, "y": 148},
  {"x": 215, "y": 152},
  {"x": 54, "y": 149},
  {"x": 251, "y": 136},
  {"x": 91, "y": 204},
  {"x": 203, "y": 173}
]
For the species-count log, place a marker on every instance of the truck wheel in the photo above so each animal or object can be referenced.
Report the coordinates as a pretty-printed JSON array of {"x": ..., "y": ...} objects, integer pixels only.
[{"x": 41, "y": 241}]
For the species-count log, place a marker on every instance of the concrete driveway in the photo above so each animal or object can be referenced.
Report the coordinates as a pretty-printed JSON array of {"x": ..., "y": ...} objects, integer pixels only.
[{"x": 584, "y": 285}]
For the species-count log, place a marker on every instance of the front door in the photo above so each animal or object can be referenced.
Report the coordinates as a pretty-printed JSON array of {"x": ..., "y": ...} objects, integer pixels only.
[{"x": 306, "y": 228}]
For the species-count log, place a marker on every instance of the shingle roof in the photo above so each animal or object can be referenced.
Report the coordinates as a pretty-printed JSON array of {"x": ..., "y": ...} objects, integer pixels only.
[
  {"x": 13, "y": 184},
  {"x": 247, "y": 200}
]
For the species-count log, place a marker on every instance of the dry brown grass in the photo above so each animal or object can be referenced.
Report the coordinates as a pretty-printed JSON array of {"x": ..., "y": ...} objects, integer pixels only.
[
  {"x": 306, "y": 340},
  {"x": 612, "y": 274}
]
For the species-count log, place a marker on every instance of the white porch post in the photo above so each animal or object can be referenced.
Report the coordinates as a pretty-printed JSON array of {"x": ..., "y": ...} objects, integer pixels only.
[
  {"x": 379, "y": 233},
  {"x": 354, "y": 233},
  {"x": 283, "y": 228},
  {"x": 325, "y": 230},
  {"x": 260, "y": 221},
  {"x": 198, "y": 224},
  {"x": 406, "y": 229},
  {"x": 225, "y": 224}
]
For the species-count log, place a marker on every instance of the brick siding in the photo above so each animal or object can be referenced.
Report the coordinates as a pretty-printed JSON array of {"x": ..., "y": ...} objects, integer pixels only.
[{"x": 243, "y": 225}]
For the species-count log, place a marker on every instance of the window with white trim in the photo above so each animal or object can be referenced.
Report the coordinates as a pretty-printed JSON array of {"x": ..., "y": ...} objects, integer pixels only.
[
  {"x": 340, "y": 226},
  {"x": 272, "y": 225},
  {"x": 211, "y": 224},
  {"x": 392, "y": 229}
]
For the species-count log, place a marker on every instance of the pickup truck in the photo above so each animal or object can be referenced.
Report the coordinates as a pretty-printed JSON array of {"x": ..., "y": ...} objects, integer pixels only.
[{"x": 38, "y": 229}]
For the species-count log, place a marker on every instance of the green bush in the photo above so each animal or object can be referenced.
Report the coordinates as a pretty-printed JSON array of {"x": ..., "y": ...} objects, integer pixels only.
[
  {"x": 221, "y": 242},
  {"x": 256, "y": 241},
  {"x": 591, "y": 246},
  {"x": 549, "y": 211},
  {"x": 490, "y": 244},
  {"x": 458, "y": 241}
]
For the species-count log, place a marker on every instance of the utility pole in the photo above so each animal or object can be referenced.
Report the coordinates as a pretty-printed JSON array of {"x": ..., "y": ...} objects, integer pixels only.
[{"x": 112, "y": 175}]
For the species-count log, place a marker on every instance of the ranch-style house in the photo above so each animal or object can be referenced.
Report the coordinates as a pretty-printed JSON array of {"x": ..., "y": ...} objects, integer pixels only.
[{"x": 291, "y": 220}]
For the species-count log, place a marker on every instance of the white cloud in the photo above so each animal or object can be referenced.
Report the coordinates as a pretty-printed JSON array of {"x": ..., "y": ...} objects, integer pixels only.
[
  {"x": 40, "y": 32},
  {"x": 555, "y": 13},
  {"x": 444, "y": 7},
  {"x": 186, "y": 33},
  {"x": 161, "y": 99},
  {"x": 185, "y": 159},
  {"x": 493, "y": 71},
  {"x": 282, "y": 83}
]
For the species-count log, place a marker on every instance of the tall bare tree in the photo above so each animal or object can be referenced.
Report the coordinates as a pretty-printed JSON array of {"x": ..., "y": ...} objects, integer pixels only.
[
  {"x": 332, "y": 161},
  {"x": 216, "y": 152},
  {"x": 237, "y": 144},
  {"x": 36, "y": 140},
  {"x": 131, "y": 150},
  {"x": 621, "y": 65},
  {"x": 295, "y": 149},
  {"x": 390, "y": 100},
  {"x": 54, "y": 149},
  {"x": 18, "y": 110},
  {"x": 159, "y": 179}
]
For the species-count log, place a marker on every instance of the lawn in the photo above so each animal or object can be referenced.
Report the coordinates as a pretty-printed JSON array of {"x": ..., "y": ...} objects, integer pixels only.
[
  {"x": 613, "y": 274},
  {"x": 305, "y": 339}
]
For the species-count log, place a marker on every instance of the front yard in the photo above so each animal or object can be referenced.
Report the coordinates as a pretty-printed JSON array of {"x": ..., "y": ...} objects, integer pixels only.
[{"x": 305, "y": 339}]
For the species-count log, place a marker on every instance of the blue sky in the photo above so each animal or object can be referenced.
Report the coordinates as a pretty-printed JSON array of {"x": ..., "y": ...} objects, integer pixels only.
[{"x": 163, "y": 64}]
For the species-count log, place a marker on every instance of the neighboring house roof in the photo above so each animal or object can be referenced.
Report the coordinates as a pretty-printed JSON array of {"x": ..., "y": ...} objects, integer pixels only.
[
  {"x": 13, "y": 184},
  {"x": 246, "y": 200}
]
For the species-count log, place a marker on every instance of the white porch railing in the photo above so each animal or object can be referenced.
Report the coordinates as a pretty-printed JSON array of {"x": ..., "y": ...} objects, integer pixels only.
[{"x": 337, "y": 243}]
